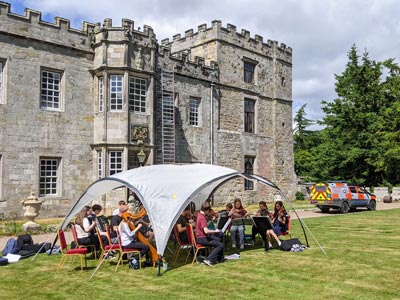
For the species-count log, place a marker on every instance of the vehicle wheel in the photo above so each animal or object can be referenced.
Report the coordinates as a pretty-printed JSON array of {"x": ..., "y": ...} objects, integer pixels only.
[
  {"x": 324, "y": 209},
  {"x": 372, "y": 205},
  {"x": 344, "y": 208}
]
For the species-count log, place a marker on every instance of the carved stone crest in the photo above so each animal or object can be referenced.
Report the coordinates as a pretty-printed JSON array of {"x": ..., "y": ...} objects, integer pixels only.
[{"x": 139, "y": 133}]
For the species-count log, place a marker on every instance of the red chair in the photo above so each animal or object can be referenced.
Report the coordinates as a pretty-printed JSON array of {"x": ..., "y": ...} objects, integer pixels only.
[
  {"x": 75, "y": 236},
  {"x": 105, "y": 250},
  {"x": 181, "y": 245},
  {"x": 192, "y": 240},
  {"x": 81, "y": 252}
]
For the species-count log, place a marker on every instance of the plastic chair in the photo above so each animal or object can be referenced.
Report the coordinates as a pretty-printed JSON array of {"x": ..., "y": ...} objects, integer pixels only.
[
  {"x": 75, "y": 236},
  {"x": 123, "y": 251},
  {"x": 181, "y": 245},
  {"x": 81, "y": 252},
  {"x": 192, "y": 240}
]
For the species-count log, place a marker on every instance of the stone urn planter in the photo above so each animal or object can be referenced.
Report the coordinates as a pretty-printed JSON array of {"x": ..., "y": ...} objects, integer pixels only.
[{"x": 32, "y": 207}]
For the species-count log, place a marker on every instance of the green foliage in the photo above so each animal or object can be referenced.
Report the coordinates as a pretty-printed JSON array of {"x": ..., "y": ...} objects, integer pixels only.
[
  {"x": 361, "y": 139},
  {"x": 301, "y": 134},
  {"x": 299, "y": 195},
  {"x": 14, "y": 227},
  {"x": 361, "y": 263}
]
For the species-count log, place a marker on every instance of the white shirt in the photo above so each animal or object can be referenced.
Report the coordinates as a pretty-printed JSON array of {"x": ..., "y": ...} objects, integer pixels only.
[
  {"x": 81, "y": 232},
  {"x": 127, "y": 235}
]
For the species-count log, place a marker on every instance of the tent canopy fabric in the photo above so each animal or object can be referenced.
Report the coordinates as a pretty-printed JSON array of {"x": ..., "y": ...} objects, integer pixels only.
[{"x": 164, "y": 190}]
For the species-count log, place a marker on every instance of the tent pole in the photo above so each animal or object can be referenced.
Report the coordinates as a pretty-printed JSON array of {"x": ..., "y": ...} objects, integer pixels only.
[
  {"x": 159, "y": 265},
  {"x": 302, "y": 223}
]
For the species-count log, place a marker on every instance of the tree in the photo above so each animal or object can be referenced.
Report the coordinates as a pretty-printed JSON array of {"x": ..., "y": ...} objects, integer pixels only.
[
  {"x": 356, "y": 122},
  {"x": 300, "y": 131}
]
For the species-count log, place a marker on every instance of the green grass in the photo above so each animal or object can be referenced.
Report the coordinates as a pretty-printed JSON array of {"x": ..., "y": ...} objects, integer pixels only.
[
  {"x": 362, "y": 262},
  {"x": 14, "y": 227}
]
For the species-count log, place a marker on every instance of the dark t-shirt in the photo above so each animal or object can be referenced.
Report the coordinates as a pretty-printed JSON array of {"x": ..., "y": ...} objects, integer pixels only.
[
  {"x": 115, "y": 221},
  {"x": 182, "y": 221}
]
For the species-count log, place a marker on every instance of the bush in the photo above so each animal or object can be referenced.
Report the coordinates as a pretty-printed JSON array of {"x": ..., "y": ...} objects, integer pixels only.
[{"x": 299, "y": 196}]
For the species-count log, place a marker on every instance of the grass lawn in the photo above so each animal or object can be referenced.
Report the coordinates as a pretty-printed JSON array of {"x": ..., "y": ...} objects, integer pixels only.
[{"x": 362, "y": 262}]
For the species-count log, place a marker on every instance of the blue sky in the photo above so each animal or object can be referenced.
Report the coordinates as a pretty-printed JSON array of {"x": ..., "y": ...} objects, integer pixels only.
[{"x": 320, "y": 32}]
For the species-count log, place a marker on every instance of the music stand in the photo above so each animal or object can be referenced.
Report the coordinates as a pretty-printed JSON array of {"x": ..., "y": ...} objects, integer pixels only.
[
  {"x": 221, "y": 221},
  {"x": 263, "y": 223}
]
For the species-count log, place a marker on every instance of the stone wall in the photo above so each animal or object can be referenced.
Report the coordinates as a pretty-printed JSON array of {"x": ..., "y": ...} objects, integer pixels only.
[
  {"x": 207, "y": 65},
  {"x": 27, "y": 133}
]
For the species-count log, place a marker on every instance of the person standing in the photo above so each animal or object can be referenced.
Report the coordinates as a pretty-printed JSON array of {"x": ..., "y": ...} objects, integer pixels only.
[{"x": 206, "y": 237}]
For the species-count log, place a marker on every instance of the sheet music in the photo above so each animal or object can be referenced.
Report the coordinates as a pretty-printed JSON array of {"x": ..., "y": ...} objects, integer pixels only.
[{"x": 226, "y": 225}]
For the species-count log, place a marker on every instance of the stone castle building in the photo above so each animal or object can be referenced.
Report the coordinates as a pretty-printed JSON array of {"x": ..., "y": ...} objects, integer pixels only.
[{"x": 78, "y": 105}]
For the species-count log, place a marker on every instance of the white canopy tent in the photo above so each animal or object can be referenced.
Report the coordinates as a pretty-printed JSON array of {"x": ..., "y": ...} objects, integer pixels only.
[{"x": 164, "y": 190}]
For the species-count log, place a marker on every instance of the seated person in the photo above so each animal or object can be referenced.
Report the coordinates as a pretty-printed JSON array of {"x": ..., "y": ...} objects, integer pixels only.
[
  {"x": 263, "y": 211},
  {"x": 129, "y": 240},
  {"x": 146, "y": 229},
  {"x": 85, "y": 228},
  {"x": 181, "y": 225},
  {"x": 115, "y": 221},
  {"x": 206, "y": 237},
  {"x": 225, "y": 212},
  {"x": 279, "y": 225},
  {"x": 238, "y": 212},
  {"x": 101, "y": 220},
  {"x": 120, "y": 203}
]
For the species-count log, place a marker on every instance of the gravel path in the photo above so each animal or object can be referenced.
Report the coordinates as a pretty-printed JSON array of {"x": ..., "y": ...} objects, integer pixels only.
[{"x": 312, "y": 213}]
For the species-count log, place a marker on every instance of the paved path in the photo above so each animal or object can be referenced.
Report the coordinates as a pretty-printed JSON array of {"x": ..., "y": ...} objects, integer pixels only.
[{"x": 49, "y": 237}]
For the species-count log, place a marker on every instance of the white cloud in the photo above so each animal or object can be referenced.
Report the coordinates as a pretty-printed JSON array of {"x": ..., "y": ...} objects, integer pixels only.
[{"x": 320, "y": 32}]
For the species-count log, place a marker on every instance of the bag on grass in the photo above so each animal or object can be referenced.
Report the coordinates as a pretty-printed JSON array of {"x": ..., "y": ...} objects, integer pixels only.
[
  {"x": 286, "y": 245},
  {"x": 11, "y": 247},
  {"x": 3, "y": 261},
  {"x": 23, "y": 241}
]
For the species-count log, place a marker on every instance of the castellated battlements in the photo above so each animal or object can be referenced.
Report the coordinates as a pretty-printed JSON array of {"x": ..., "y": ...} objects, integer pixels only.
[
  {"x": 182, "y": 63},
  {"x": 31, "y": 26},
  {"x": 228, "y": 34}
]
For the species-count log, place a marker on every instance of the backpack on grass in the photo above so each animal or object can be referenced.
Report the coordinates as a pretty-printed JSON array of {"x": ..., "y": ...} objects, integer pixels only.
[
  {"x": 24, "y": 241},
  {"x": 11, "y": 247},
  {"x": 286, "y": 245}
]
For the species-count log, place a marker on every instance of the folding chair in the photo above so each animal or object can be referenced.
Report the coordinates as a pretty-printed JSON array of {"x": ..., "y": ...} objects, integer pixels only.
[
  {"x": 181, "y": 245},
  {"x": 75, "y": 236},
  {"x": 105, "y": 250},
  {"x": 192, "y": 240},
  {"x": 123, "y": 251},
  {"x": 81, "y": 252}
]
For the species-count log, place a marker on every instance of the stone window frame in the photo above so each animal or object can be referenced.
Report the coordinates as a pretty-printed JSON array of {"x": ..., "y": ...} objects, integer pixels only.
[
  {"x": 249, "y": 117},
  {"x": 2, "y": 77},
  {"x": 100, "y": 91},
  {"x": 115, "y": 163},
  {"x": 100, "y": 169},
  {"x": 137, "y": 94},
  {"x": 49, "y": 176},
  {"x": 249, "y": 70},
  {"x": 56, "y": 96},
  {"x": 195, "y": 111},
  {"x": 116, "y": 92},
  {"x": 249, "y": 162}
]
